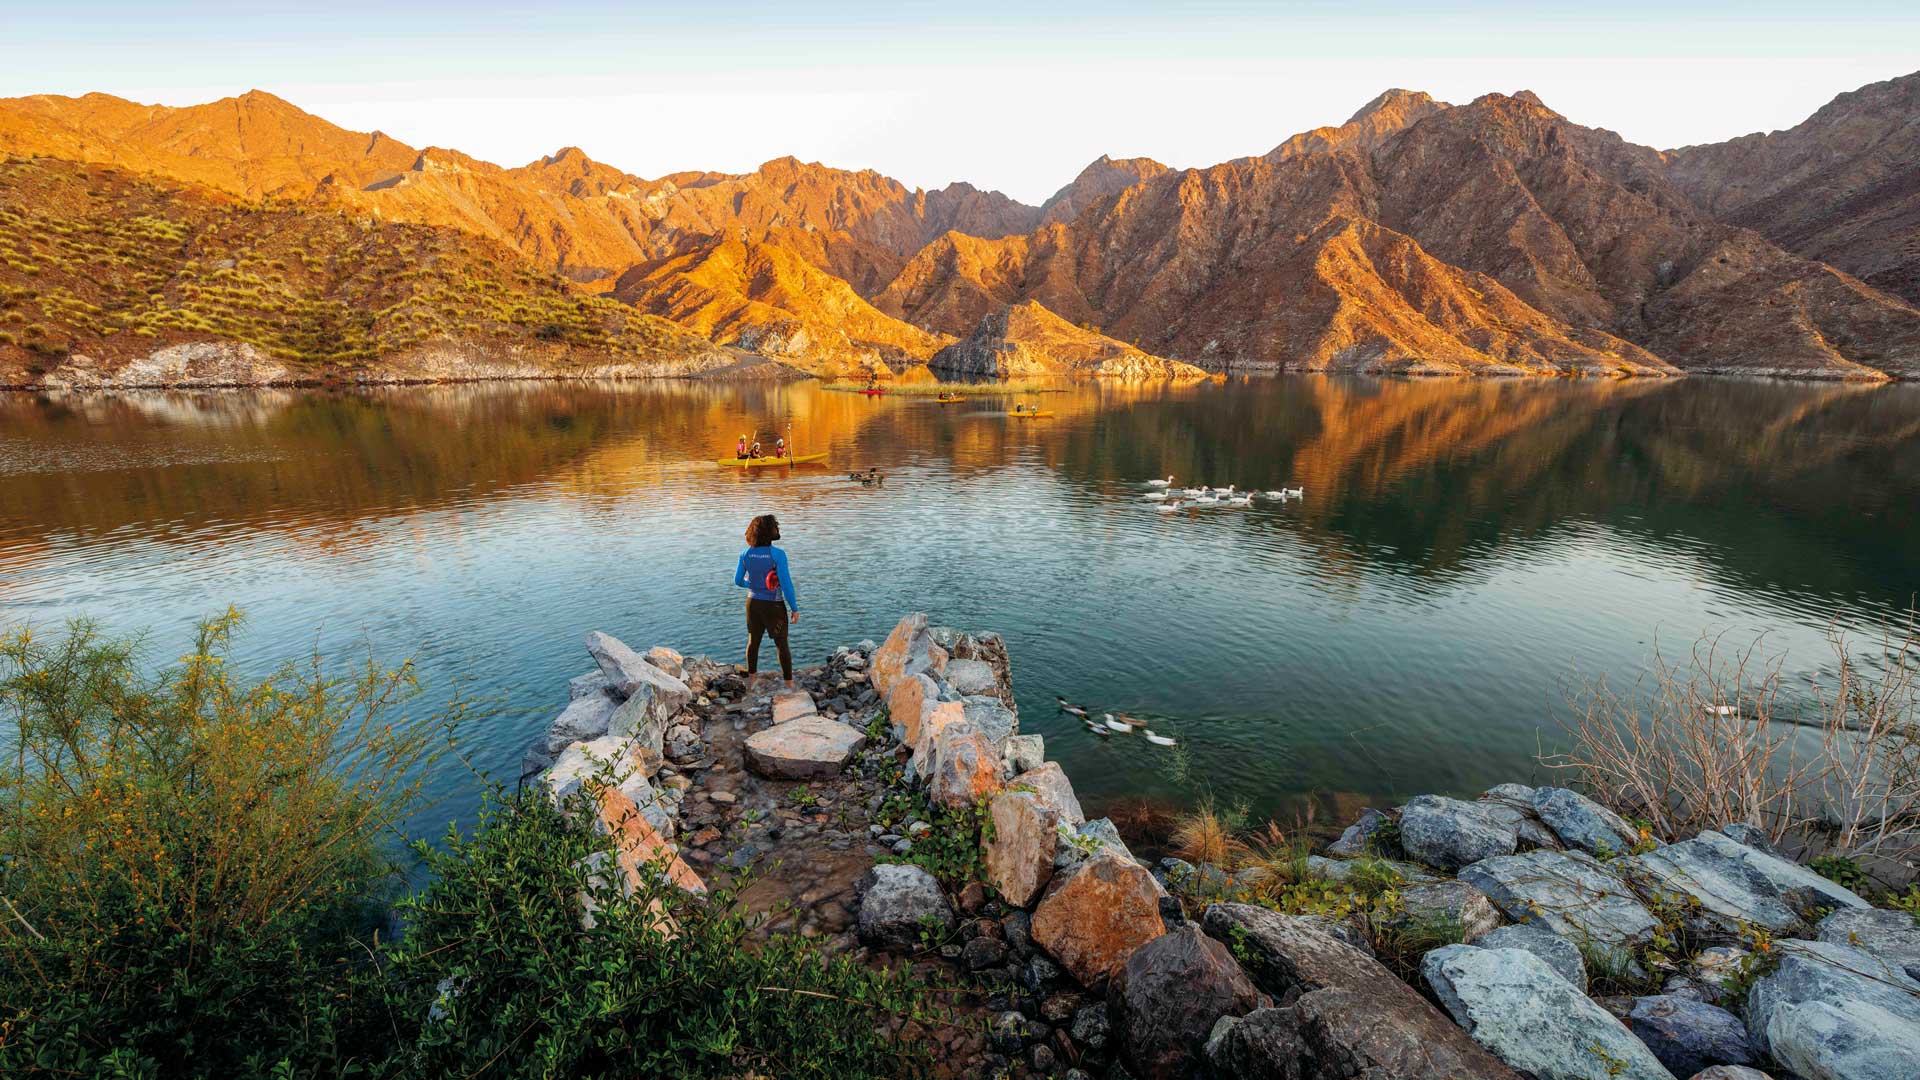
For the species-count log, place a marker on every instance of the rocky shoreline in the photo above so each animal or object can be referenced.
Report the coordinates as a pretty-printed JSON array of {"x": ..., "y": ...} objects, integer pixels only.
[{"x": 891, "y": 808}]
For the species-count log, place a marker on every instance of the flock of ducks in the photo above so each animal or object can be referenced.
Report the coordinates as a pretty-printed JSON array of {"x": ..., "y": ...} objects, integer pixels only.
[
  {"x": 1112, "y": 722},
  {"x": 1171, "y": 499}
]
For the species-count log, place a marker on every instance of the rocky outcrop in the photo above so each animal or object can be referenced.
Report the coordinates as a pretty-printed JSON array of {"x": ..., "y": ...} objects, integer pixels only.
[
  {"x": 1105, "y": 176},
  {"x": 1513, "y": 1004},
  {"x": 1689, "y": 1036},
  {"x": 1449, "y": 833},
  {"x": 1556, "y": 952},
  {"x": 1568, "y": 893},
  {"x": 1025, "y": 340},
  {"x": 1892, "y": 937}
]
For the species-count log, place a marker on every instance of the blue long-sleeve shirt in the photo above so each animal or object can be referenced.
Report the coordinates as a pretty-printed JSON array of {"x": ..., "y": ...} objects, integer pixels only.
[{"x": 763, "y": 573}]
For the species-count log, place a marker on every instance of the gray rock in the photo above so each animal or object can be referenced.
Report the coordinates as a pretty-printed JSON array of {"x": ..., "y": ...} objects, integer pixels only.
[
  {"x": 1513, "y": 1004},
  {"x": 584, "y": 718},
  {"x": 1688, "y": 1036},
  {"x": 810, "y": 748},
  {"x": 1730, "y": 1072},
  {"x": 627, "y": 672},
  {"x": 994, "y": 719},
  {"x": 1890, "y": 936},
  {"x": 1446, "y": 906},
  {"x": 1343, "y": 870},
  {"x": 1831, "y": 1012},
  {"x": 1344, "y": 1016},
  {"x": 1078, "y": 843},
  {"x": 1450, "y": 834},
  {"x": 899, "y": 904},
  {"x": 1168, "y": 996},
  {"x": 1561, "y": 955},
  {"x": 1736, "y": 884},
  {"x": 606, "y": 760},
  {"x": 1582, "y": 823},
  {"x": 971, "y": 677},
  {"x": 1751, "y": 835},
  {"x": 1092, "y": 1027},
  {"x": 1354, "y": 841},
  {"x": 1052, "y": 788},
  {"x": 535, "y": 758},
  {"x": 594, "y": 681},
  {"x": 1569, "y": 893},
  {"x": 1024, "y": 753},
  {"x": 1519, "y": 795}
]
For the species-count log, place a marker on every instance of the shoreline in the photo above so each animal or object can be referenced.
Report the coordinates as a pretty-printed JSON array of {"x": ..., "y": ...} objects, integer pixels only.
[{"x": 894, "y": 811}]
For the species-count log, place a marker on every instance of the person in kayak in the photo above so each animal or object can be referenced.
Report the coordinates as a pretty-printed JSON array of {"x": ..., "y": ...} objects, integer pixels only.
[
  {"x": 770, "y": 604},
  {"x": 780, "y": 446},
  {"x": 756, "y": 448},
  {"x": 740, "y": 448}
]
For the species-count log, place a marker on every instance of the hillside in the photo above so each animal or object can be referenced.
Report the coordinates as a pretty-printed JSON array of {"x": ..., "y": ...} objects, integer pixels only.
[
  {"x": 765, "y": 298},
  {"x": 1026, "y": 339},
  {"x": 1842, "y": 187},
  {"x": 103, "y": 268}
]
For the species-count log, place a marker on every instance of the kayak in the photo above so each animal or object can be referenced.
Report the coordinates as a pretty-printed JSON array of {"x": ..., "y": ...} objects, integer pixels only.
[
  {"x": 1041, "y": 414},
  {"x": 949, "y": 400},
  {"x": 763, "y": 462},
  {"x": 872, "y": 393}
]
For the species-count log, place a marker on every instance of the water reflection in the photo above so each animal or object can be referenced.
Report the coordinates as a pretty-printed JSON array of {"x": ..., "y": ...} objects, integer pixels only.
[{"x": 1406, "y": 627}]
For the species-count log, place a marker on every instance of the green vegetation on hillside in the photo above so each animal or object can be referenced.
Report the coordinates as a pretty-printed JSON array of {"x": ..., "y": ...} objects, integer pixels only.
[{"x": 95, "y": 259}]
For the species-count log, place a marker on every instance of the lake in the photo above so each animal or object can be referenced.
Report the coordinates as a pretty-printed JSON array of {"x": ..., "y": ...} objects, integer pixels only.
[{"x": 1463, "y": 549}]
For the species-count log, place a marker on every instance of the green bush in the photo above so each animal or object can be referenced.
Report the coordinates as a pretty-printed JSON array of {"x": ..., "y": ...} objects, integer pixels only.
[
  {"x": 664, "y": 984},
  {"x": 191, "y": 866}
]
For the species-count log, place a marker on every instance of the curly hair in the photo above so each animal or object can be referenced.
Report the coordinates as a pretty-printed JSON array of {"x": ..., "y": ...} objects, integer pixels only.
[{"x": 762, "y": 531}]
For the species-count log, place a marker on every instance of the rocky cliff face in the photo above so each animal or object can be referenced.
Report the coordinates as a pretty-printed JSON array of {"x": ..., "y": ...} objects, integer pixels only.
[
  {"x": 1376, "y": 122},
  {"x": 1097, "y": 181},
  {"x": 1842, "y": 187},
  {"x": 1026, "y": 339}
]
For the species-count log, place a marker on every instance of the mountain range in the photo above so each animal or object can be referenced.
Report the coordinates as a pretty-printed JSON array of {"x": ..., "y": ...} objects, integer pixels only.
[{"x": 1420, "y": 237}]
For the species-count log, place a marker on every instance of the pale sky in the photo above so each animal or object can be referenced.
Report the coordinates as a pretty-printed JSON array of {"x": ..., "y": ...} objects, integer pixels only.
[{"x": 1014, "y": 97}]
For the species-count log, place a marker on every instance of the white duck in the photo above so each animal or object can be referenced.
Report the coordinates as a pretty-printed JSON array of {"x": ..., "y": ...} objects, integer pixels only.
[
  {"x": 1160, "y": 483},
  {"x": 1240, "y": 500},
  {"x": 1169, "y": 507},
  {"x": 1118, "y": 725},
  {"x": 1294, "y": 493},
  {"x": 1209, "y": 499},
  {"x": 1157, "y": 740},
  {"x": 1154, "y": 496}
]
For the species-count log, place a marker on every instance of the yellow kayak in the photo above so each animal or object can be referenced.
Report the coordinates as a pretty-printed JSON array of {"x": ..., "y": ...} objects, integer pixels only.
[
  {"x": 1041, "y": 414},
  {"x": 763, "y": 462},
  {"x": 949, "y": 400}
]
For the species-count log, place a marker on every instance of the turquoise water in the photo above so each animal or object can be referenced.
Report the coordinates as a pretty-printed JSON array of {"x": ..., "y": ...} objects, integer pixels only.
[{"x": 1463, "y": 549}]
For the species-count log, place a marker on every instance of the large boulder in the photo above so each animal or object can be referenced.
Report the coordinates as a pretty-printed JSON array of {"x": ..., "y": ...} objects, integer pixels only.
[
  {"x": 1024, "y": 752},
  {"x": 792, "y": 705},
  {"x": 607, "y": 762},
  {"x": 1688, "y": 1035},
  {"x": 1513, "y": 1004},
  {"x": 1735, "y": 884},
  {"x": 988, "y": 648},
  {"x": 628, "y": 672},
  {"x": 1358, "y": 837},
  {"x": 1020, "y": 857},
  {"x": 932, "y": 720},
  {"x": 1343, "y": 1015},
  {"x": 1582, "y": 823},
  {"x": 1049, "y": 782},
  {"x": 1450, "y": 834},
  {"x": 1569, "y": 893},
  {"x": 810, "y": 748},
  {"x": 1890, "y": 936},
  {"x": 1094, "y": 916},
  {"x": 909, "y": 650},
  {"x": 1561, "y": 955},
  {"x": 1830, "y": 1012},
  {"x": 994, "y": 719},
  {"x": 593, "y": 682},
  {"x": 584, "y": 718},
  {"x": 900, "y": 905},
  {"x": 1168, "y": 996},
  {"x": 966, "y": 766},
  {"x": 1079, "y": 841}
]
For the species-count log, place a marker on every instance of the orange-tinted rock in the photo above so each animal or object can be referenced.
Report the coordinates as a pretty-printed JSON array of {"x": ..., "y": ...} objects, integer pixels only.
[
  {"x": 907, "y": 651},
  {"x": 1026, "y": 340},
  {"x": 1094, "y": 916},
  {"x": 639, "y": 846},
  {"x": 907, "y": 705},
  {"x": 966, "y": 765},
  {"x": 932, "y": 721},
  {"x": 1050, "y": 785},
  {"x": 792, "y": 705},
  {"x": 1019, "y": 858}
]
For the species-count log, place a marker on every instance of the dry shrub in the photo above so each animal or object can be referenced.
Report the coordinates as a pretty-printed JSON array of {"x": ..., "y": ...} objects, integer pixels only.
[
  {"x": 1712, "y": 740},
  {"x": 1205, "y": 834}
]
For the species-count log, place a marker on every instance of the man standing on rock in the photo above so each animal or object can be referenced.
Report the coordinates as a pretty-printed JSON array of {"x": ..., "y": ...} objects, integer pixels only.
[{"x": 763, "y": 573}]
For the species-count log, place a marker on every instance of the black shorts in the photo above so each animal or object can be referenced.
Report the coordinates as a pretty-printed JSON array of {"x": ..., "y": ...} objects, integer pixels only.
[{"x": 767, "y": 617}]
